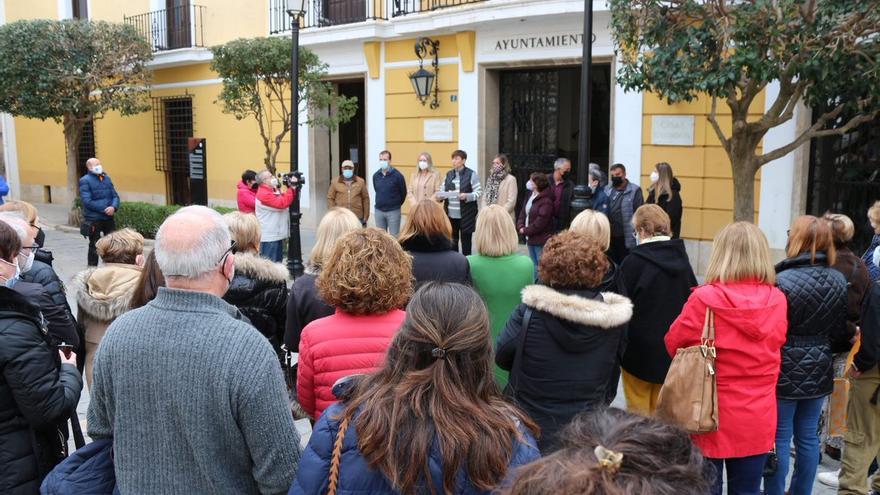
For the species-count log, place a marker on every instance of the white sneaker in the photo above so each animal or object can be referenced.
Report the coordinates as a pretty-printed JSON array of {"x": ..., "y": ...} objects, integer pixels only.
[{"x": 829, "y": 478}]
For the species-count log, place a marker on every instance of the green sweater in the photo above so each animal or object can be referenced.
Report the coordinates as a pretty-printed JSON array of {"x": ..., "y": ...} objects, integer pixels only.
[
  {"x": 194, "y": 401},
  {"x": 499, "y": 280}
]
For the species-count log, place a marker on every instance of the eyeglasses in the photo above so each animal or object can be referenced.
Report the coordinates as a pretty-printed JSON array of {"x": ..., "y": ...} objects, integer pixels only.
[
  {"x": 226, "y": 253},
  {"x": 30, "y": 248}
]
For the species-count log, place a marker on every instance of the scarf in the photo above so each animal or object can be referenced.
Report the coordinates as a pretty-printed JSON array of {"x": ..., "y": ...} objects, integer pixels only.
[{"x": 493, "y": 184}]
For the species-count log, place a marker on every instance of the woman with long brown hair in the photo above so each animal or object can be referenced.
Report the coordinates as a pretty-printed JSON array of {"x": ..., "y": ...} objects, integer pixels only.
[
  {"x": 665, "y": 192},
  {"x": 427, "y": 237},
  {"x": 431, "y": 420}
]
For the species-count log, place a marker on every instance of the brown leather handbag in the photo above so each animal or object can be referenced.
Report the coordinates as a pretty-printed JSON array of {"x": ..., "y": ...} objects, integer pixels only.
[{"x": 689, "y": 395}]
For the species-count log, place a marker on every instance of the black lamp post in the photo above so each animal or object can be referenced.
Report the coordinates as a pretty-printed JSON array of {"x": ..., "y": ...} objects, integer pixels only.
[
  {"x": 294, "y": 244},
  {"x": 581, "y": 200}
]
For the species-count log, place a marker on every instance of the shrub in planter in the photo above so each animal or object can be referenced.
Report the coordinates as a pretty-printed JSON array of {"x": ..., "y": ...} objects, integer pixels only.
[{"x": 143, "y": 217}]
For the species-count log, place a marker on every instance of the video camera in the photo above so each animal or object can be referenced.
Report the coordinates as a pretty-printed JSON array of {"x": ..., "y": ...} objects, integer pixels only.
[{"x": 291, "y": 179}]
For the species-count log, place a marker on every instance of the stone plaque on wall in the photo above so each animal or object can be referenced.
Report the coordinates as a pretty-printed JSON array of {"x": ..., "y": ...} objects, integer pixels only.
[
  {"x": 673, "y": 130},
  {"x": 438, "y": 130}
]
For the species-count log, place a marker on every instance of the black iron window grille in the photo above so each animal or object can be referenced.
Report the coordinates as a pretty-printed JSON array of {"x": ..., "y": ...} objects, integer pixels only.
[
  {"x": 404, "y": 7},
  {"x": 169, "y": 29},
  {"x": 173, "y": 125},
  {"x": 87, "y": 147},
  {"x": 322, "y": 13}
]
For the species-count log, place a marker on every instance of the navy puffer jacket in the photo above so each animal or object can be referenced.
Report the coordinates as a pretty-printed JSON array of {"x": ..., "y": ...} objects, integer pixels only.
[
  {"x": 817, "y": 301},
  {"x": 96, "y": 194},
  {"x": 356, "y": 476}
]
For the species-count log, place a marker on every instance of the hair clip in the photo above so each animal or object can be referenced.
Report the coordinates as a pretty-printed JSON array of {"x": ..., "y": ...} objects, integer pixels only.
[
  {"x": 608, "y": 459},
  {"x": 438, "y": 353}
]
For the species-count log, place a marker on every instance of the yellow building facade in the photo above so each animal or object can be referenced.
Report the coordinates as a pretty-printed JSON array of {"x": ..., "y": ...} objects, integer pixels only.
[{"x": 507, "y": 75}]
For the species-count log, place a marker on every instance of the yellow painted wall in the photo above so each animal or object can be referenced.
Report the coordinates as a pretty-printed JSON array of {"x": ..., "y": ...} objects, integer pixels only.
[
  {"x": 220, "y": 26},
  {"x": 31, "y": 9},
  {"x": 703, "y": 169},
  {"x": 116, "y": 11},
  {"x": 40, "y": 147},
  {"x": 405, "y": 115}
]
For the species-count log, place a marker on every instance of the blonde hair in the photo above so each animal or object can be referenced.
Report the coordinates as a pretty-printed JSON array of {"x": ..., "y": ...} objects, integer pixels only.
[
  {"x": 842, "y": 227},
  {"x": 427, "y": 159},
  {"x": 808, "y": 234},
  {"x": 740, "y": 252},
  {"x": 245, "y": 230},
  {"x": 426, "y": 218},
  {"x": 496, "y": 233},
  {"x": 336, "y": 223},
  {"x": 651, "y": 219},
  {"x": 120, "y": 246},
  {"x": 874, "y": 215},
  {"x": 594, "y": 225},
  {"x": 664, "y": 183},
  {"x": 27, "y": 210}
]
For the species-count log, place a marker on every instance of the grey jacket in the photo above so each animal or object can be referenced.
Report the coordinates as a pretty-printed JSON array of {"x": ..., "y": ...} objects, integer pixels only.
[
  {"x": 632, "y": 199},
  {"x": 193, "y": 399}
]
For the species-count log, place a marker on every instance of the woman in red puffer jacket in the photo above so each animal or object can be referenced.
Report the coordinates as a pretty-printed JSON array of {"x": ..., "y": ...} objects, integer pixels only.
[
  {"x": 367, "y": 278},
  {"x": 750, "y": 329}
]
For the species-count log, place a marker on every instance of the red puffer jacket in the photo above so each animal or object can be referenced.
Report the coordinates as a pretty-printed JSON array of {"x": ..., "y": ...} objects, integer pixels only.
[
  {"x": 750, "y": 327},
  {"x": 337, "y": 346}
]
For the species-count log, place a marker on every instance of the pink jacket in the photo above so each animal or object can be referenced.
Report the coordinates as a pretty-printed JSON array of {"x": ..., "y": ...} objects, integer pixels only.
[
  {"x": 340, "y": 345},
  {"x": 246, "y": 198},
  {"x": 751, "y": 322}
]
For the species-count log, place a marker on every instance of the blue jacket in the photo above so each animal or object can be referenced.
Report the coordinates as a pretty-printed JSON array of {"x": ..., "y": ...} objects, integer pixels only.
[
  {"x": 356, "y": 476},
  {"x": 600, "y": 200},
  {"x": 4, "y": 188},
  {"x": 390, "y": 189},
  {"x": 87, "y": 470},
  {"x": 96, "y": 195}
]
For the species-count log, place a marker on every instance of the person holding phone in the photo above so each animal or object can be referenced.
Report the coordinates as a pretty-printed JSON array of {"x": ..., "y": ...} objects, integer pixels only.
[{"x": 39, "y": 387}]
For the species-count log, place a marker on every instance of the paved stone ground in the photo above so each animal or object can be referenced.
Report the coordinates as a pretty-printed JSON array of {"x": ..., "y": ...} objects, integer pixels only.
[{"x": 69, "y": 249}]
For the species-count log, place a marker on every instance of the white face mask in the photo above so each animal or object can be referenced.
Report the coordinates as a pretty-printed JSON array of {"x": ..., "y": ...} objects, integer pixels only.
[
  {"x": 654, "y": 177},
  {"x": 274, "y": 182},
  {"x": 27, "y": 262},
  {"x": 97, "y": 170},
  {"x": 877, "y": 257},
  {"x": 423, "y": 165}
]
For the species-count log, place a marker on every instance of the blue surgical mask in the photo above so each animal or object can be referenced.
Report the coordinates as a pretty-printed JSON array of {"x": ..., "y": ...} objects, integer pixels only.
[
  {"x": 13, "y": 279},
  {"x": 383, "y": 164},
  {"x": 348, "y": 173},
  {"x": 97, "y": 170}
]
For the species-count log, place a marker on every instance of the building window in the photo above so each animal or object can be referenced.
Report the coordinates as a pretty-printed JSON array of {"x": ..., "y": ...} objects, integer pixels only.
[
  {"x": 87, "y": 148},
  {"x": 80, "y": 9},
  {"x": 173, "y": 125}
]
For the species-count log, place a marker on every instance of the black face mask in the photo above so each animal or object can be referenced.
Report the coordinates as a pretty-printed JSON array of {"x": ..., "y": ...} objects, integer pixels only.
[
  {"x": 40, "y": 238},
  {"x": 566, "y": 175},
  {"x": 616, "y": 181}
]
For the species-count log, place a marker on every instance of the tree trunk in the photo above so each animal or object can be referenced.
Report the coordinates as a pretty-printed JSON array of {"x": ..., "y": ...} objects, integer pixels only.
[
  {"x": 72, "y": 135},
  {"x": 743, "y": 188}
]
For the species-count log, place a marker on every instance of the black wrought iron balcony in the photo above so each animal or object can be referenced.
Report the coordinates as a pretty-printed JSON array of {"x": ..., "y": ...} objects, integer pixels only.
[
  {"x": 170, "y": 29},
  {"x": 404, "y": 7},
  {"x": 323, "y": 13}
]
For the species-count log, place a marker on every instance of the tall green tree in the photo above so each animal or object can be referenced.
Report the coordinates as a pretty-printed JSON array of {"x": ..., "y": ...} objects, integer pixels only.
[
  {"x": 256, "y": 83},
  {"x": 72, "y": 71},
  {"x": 824, "y": 53}
]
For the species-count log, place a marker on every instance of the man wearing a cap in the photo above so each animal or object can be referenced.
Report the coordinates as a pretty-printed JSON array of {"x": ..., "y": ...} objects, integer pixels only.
[{"x": 350, "y": 191}]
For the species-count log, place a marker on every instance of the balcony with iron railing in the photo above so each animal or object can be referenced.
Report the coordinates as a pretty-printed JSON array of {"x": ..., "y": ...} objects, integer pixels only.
[
  {"x": 404, "y": 7},
  {"x": 172, "y": 29},
  {"x": 323, "y": 13}
]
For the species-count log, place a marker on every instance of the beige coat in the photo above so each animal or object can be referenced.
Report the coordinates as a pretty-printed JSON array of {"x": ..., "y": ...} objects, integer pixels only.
[
  {"x": 506, "y": 195},
  {"x": 102, "y": 294},
  {"x": 422, "y": 186},
  {"x": 355, "y": 196}
]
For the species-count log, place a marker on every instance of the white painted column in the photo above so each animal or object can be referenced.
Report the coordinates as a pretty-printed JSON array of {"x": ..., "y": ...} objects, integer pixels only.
[
  {"x": 627, "y": 130},
  {"x": 469, "y": 115},
  {"x": 375, "y": 100},
  {"x": 777, "y": 179},
  {"x": 303, "y": 142}
]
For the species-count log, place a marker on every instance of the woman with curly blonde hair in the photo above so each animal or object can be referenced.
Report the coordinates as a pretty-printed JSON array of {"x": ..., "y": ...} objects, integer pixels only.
[{"x": 367, "y": 278}]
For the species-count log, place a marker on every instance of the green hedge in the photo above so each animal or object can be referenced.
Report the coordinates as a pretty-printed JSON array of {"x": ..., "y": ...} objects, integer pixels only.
[{"x": 147, "y": 217}]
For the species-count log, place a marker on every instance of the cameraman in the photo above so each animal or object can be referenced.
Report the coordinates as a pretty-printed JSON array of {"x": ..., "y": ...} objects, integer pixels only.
[{"x": 271, "y": 210}]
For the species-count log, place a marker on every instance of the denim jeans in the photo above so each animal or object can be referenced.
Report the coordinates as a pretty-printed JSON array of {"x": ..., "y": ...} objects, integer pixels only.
[
  {"x": 743, "y": 475},
  {"x": 799, "y": 418},
  {"x": 388, "y": 221},
  {"x": 271, "y": 250},
  {"x": 535, "y": 255}
]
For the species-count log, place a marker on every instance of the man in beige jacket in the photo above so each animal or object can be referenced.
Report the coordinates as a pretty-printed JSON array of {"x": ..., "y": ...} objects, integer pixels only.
[{"x": 351, "y": 192}]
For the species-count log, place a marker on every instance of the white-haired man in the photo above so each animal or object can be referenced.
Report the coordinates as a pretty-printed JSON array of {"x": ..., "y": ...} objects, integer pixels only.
[
  {"x": 562, "y": 191},
  {"x": 190, "y": 393},
  {"x": 99, "y": 203}
]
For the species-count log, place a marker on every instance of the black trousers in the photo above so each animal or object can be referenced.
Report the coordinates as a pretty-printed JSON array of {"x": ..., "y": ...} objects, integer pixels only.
[
  {"x": 618, "y": 249},
  {"x": 99, "y": 229},
  {"x": 465, "y": 237}
]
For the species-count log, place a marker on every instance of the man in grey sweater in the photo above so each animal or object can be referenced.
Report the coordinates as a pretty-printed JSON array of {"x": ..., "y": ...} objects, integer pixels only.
[{"x": 191, "y": 394}]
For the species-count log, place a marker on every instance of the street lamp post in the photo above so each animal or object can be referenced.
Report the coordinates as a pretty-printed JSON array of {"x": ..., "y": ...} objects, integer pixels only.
[
  {"x": 294, "y": 244},
  {"x": 581, "y": 200}
]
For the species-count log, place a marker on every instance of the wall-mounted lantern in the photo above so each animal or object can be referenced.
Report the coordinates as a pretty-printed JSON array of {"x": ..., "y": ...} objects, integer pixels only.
[{"x": 424, "y": 81}]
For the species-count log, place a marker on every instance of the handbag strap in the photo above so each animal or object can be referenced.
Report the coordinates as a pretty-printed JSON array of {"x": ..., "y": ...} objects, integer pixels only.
[
  {"x": 336, "y": 459},
  {"x": 708, "y": 336},
  {"x": 517, "y": 360}
]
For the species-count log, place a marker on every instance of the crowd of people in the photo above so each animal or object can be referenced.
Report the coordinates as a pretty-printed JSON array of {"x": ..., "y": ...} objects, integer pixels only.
[{"x": 425, "y": 368}]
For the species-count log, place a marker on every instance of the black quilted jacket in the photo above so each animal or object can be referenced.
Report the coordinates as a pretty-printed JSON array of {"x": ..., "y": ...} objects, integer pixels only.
[{"x": 816, "y": 297}]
